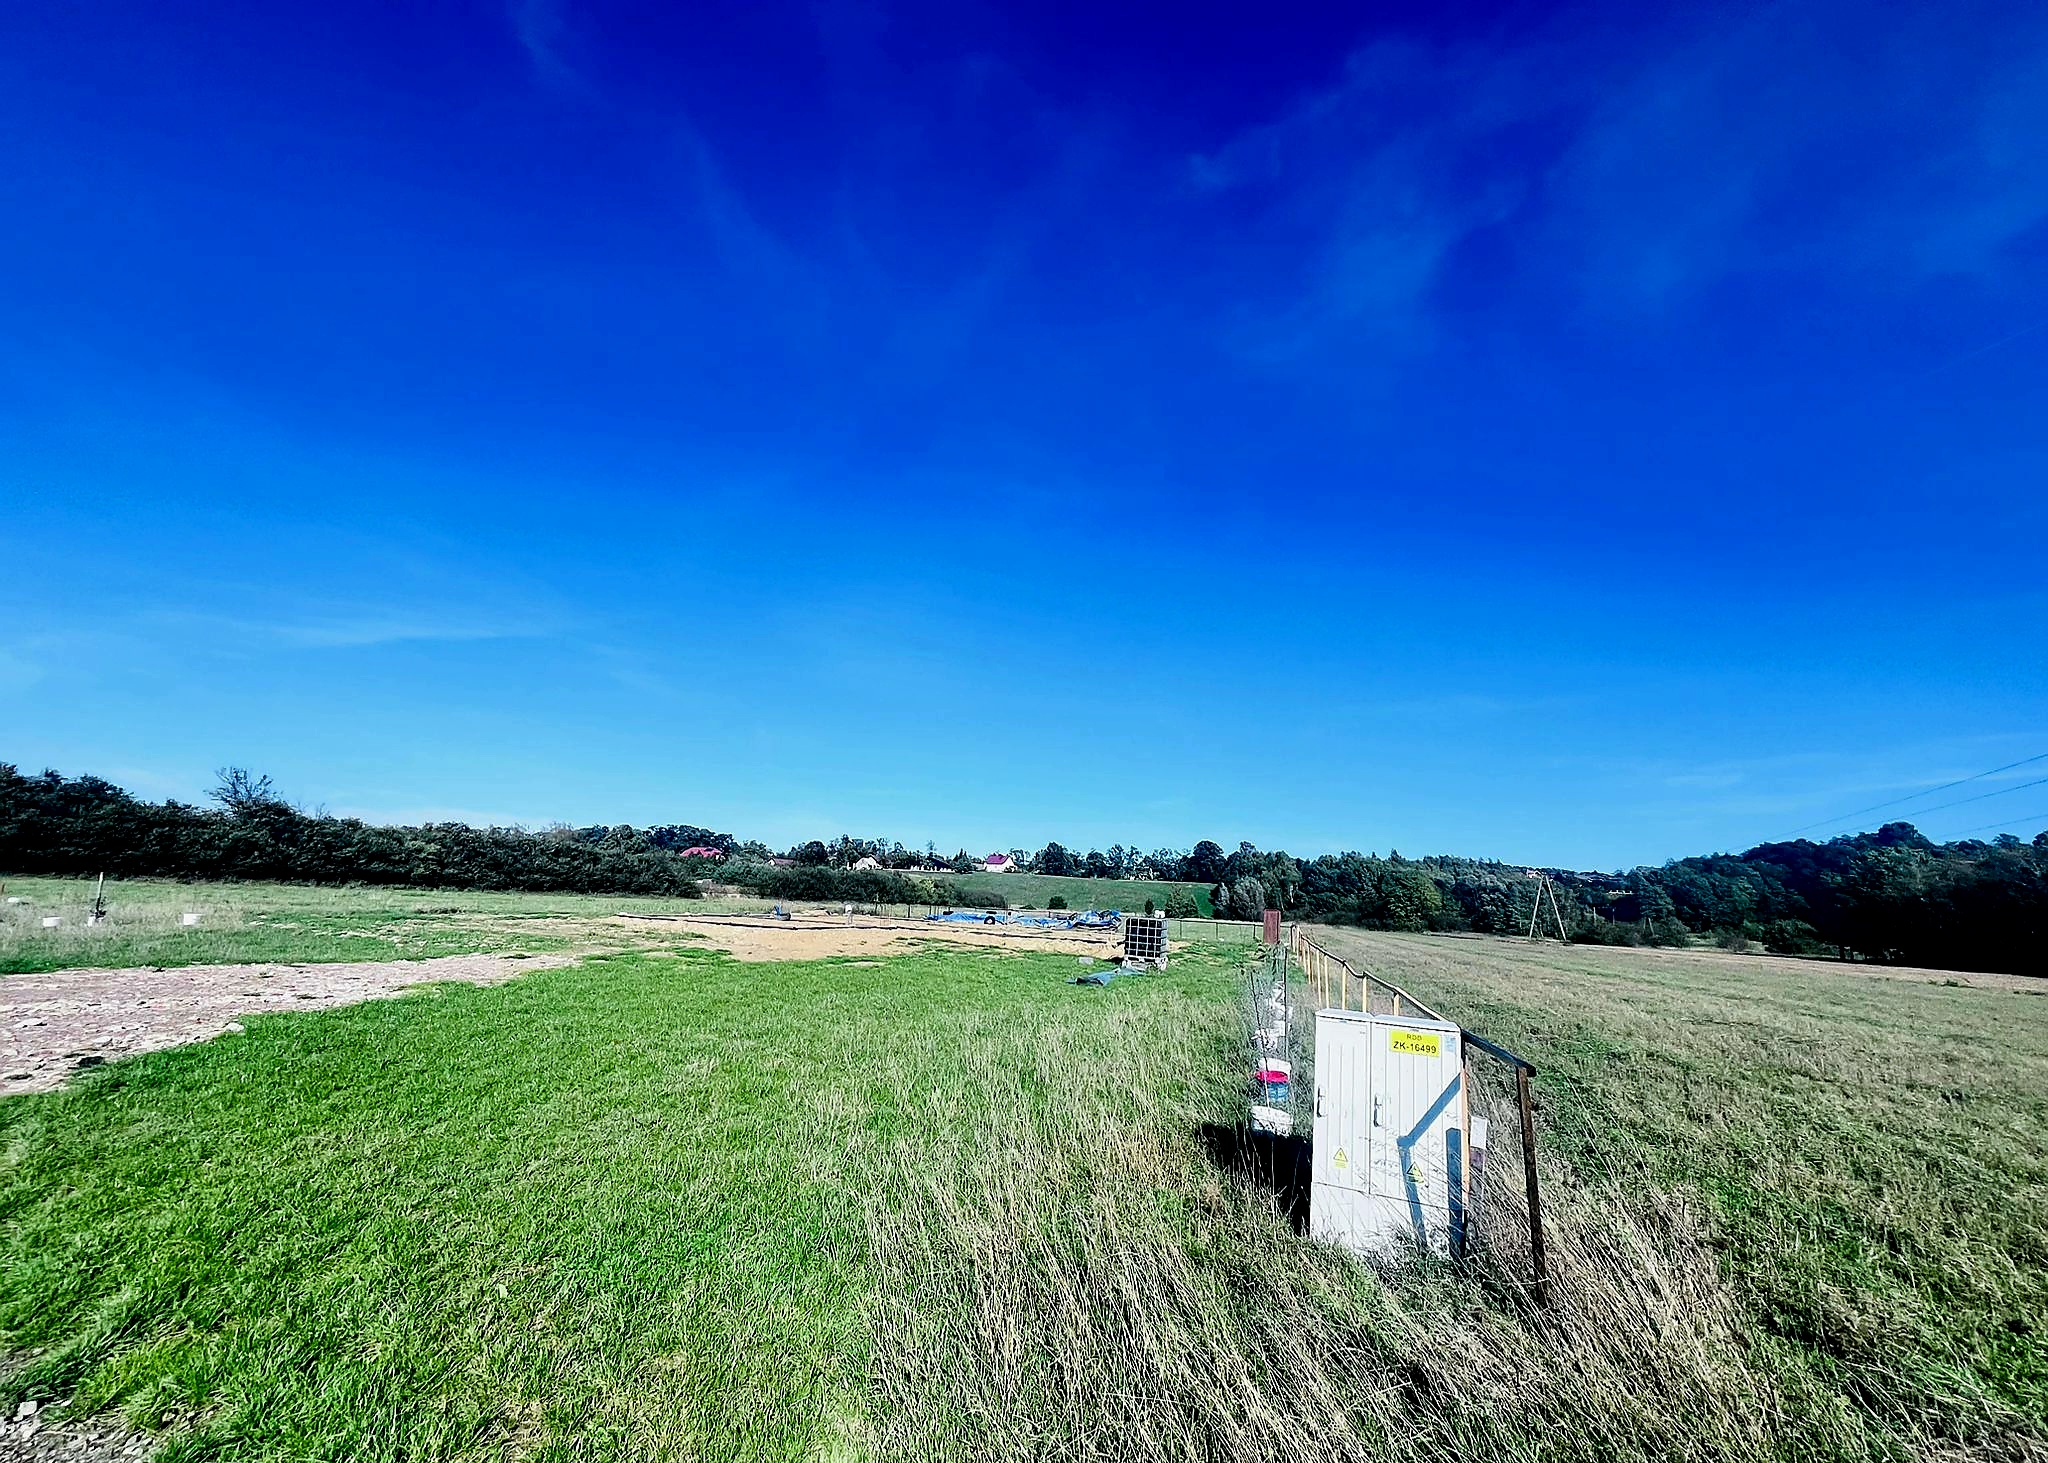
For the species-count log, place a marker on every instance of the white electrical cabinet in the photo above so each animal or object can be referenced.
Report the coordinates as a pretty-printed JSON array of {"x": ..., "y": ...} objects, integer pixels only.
[{"x": 1390, "y": 1154}]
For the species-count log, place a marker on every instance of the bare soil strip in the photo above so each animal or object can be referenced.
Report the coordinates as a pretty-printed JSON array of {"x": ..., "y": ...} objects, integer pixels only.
[
  {"x": 54, "y": 1023},
  {"x": 811, "y": 935}
]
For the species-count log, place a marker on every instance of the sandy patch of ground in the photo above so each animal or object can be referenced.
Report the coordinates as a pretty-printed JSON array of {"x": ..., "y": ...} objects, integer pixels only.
[
  {"x": 54, "y": 1023},
  {"x": 31, "y": 1439},
  {"x": 814, "y": 936}
]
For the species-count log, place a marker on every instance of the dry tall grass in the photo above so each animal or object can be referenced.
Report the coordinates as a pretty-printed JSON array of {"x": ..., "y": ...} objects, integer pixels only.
[
  {"x": 1854, "y": 1153},
  {"x": 1085, "y": 1284}
]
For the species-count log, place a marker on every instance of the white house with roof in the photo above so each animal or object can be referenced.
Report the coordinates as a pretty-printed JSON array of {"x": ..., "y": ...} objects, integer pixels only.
[{"x": 1000, "y": 863}]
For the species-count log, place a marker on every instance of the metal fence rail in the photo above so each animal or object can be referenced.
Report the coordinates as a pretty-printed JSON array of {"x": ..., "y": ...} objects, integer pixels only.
[{"x": 1497, "y": 1088}]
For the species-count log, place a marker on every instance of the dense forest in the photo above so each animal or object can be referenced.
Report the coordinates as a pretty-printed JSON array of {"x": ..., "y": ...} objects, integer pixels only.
[{"x": 1890, "y": 895}]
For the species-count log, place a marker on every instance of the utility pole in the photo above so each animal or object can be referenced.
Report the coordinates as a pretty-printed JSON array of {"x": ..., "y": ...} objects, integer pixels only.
[{"x": 1543, "y": 887}]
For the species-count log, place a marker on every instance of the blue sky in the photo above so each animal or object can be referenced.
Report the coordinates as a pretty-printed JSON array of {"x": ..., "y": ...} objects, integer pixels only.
[{"x": 1583, "y": 436}]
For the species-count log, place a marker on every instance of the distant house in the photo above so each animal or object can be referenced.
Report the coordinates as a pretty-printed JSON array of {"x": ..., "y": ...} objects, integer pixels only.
[
  {"x": 867, "y": 863},
  {"x": 999, "y": 863},
  {"x": 700, "y": 851},
  {"x": 783, "y": 863}
]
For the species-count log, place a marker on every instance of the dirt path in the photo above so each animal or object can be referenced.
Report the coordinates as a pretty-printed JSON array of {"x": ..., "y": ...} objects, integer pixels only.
[{"x": 55, "y": 1023}]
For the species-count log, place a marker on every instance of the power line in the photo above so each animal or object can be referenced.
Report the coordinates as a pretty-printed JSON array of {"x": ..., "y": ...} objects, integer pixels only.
[
  {"x": 1926, "y": 792},
  {"x": 1994, "y": 793},
  {"x": 2040, "y": 817}
]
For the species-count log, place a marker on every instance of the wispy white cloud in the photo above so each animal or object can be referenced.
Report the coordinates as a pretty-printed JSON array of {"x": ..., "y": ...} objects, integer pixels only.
[
  {"x": 18, "y": 671},
  {"x": 350, "y": 632},
  {"x": 542, "y": 32},
  {"x": 1782, "y": 795},
  {"x": 1639, "y": 169},
  {"x": 1464, "y": 705},
  {"x": 152, "y": 782},
  {"x": 344, "y": 628},
  {"x": 1770, "y": 145},
  {"x": 1989, "y": 190},
  {"x": 1370, "y": 185}
]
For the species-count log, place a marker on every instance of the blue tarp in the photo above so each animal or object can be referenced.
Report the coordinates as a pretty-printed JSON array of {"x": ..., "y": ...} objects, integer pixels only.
[{"x": 1086, "y": 920}]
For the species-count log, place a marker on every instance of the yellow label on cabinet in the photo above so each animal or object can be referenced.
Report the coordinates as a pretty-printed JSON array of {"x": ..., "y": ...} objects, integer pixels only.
[
  {"x": 1417, "y": 1043},
  {"x": 1341, "y": 1159}
]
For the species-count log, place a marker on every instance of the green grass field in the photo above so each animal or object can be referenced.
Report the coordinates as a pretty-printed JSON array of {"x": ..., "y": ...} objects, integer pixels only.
[
  {"x": 1034, "y": 890},
  {"x": 667, "y": 1205}
]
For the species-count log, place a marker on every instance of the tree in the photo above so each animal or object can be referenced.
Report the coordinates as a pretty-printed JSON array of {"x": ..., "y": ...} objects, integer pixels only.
[
  {"x": 1053, "y": 859},
  {"x": 1248, "y": 898},
  {"x": 1205, "y": 863},
  {"x": 242, "y": 794},
  {"x": 811, "y": 855},
  {"x": 1409, "y": 897},
  {"x": 688, "y": 835},
  {"x": 1283, "y": 877},
  {"x": 1219, "y": 901}
]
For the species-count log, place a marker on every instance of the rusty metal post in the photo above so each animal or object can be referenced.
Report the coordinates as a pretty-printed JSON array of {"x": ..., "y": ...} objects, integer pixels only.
[{"x": 1538, "y": 1262}]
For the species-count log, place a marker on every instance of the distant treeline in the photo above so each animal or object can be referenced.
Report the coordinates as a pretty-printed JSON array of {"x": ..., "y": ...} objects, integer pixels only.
[
  {"x": 1890, "y": 896},
  {"x": 51, "y": 824}
]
